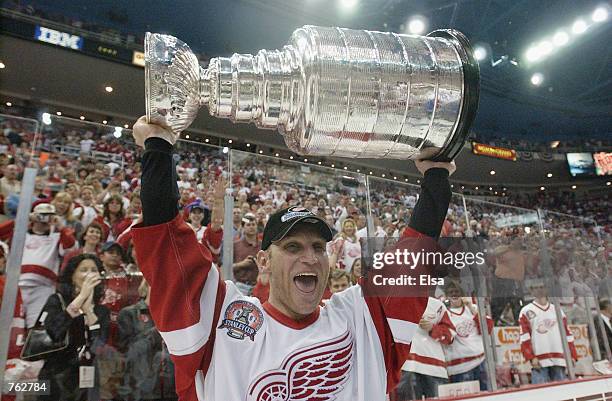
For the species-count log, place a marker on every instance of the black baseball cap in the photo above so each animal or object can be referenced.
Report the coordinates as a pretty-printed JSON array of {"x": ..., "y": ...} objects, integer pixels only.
[
  {"x": 107, "y": 246},
  {"x": 281, "y": 222}
]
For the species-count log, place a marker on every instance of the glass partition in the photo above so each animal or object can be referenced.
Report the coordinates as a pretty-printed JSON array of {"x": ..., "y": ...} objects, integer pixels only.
[
  {"x": 577, "y": 254},
  {"x": 90, "y": 174}
]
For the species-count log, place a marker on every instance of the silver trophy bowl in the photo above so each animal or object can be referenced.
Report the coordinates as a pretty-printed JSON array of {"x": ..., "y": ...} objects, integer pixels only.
[{"x": 329, "y": 91}]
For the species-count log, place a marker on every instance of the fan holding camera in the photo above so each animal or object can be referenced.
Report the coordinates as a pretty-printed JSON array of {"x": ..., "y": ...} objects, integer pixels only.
[{"x": 47, "y": 240}]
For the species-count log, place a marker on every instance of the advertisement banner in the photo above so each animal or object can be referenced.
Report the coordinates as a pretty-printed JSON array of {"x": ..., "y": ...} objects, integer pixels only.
[
  {"x": 107, "y": 51},
  {"x": 138, "y": 58},
  {"x": 603, "y": 163},
  {"x": 58, "y": 38},
  {"x": 508, "y": 348},
  {"x": 493, "y": 151}
]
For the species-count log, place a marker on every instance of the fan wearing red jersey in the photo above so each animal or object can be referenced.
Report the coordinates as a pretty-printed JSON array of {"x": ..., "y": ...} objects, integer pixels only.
[
  {"x": 228, "y": 346},
  {"x": 541, "y": 339}
]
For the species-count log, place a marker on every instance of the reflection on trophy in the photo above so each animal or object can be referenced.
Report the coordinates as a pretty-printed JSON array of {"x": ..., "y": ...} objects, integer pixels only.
[{"x": 329, "y": 91}]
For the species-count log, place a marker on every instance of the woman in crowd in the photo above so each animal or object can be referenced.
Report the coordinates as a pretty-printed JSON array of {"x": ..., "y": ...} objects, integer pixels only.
[
  {"x": 89, "y": 242},
  {"x": 197, "y": 216},
  {"x": 113, "y": 218},
  {"x": 74, "y": 310},
  {"x": 64, "y": 207},
  {"x": 345, "y": 248}
]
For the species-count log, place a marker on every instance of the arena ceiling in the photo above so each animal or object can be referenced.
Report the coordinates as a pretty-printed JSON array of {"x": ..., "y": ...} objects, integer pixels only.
[{"x": 579, "y": 101}]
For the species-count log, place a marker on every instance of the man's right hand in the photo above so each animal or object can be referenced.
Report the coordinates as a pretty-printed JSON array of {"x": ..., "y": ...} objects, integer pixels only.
[{"x": 143, "y": 130}]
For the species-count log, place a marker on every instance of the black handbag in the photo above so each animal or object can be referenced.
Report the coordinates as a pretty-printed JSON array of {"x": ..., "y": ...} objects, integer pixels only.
[{"x": 39, "y": 345}]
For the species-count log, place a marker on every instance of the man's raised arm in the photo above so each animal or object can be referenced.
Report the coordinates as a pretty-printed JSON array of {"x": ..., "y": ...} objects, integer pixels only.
[{"x": 186, "y": 290}]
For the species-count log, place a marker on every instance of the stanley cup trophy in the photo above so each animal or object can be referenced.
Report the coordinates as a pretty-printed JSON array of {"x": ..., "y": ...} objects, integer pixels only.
[{"x": 329, "y": 91}]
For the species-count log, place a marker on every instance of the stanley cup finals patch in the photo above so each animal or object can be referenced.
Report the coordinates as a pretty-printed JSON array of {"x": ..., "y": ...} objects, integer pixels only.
[{"x": 242, "y": 318}]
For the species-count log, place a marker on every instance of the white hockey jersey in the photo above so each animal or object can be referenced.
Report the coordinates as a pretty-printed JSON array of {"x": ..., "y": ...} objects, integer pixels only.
[
  {"x": 540, "y": 335},
  {"x": 426, "y": 353},
  {"x": 467, "y": 350},
  {"x": 41, "y": 254},
  {"x": 230, "y": 347}
]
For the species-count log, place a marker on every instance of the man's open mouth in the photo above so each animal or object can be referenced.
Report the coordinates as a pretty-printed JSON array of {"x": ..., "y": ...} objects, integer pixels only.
[{"x": 306, "y": 282}]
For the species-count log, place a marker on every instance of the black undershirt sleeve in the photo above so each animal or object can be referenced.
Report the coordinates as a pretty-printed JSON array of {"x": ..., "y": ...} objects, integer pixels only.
[
  {"x": 159, "y": 189},
  {"x": 430, "y": 210}
]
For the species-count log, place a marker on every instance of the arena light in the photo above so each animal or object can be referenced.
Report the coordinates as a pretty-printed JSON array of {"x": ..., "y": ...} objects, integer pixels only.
[
  {"x": 579, "y": 27},
  {"x": 348, "y": 4},
  {"x": 480, "y": 53},
  {"x": 476, "y": 188},
  {"x": 104, "y": 122},
  {"x": 545, "y": 47},
  {"x": 206, "y": 140},
  {"x": 9, "y": 104},
  {"x": 416, "y": 25},
  {"x": 333, "y": 166},
  {"x": 537, "y": 79},
  {"x": 2, "y": 66},
  {"x": 395, "y": 178},
  {"x": 118, "y": 132},
  {"x": 46, "y": 118},
  {"x": 533, "y": 54},
  {"x": 230, "y": 141},
  {"x": 82, "y": 117},
  {"x": 248, "y": 145},
  {"x": 276, "y": 154},
  {"x": 492, "y": 172},
  {"x": 346, "y": 168},
  {"x": 600, "y": 14},
  {"x": 406, "y": 179},
  {"x": 260, "y": 152},
  {"x": 549, "y": 175},
  {"x": 452, "y": 185},
  {"x": 305, "y": 160},
  {"x": 358, "y": 170},
  {"x": 225, "y": 149},
  {"x": 608, "y": 183},
  {"x": 418, "y": 181},
  {"x": 370, "y": 173},
  {"x": 542, "y": 188},
  {"x": 383, "y": 176},
  {"x": 59, "y": 113},
  {"x": 573, "y": 187},
  {"x": 490, "y": 188},
  {"x": 108, "y": 89},
  {"x": 187, "y": 136},
  {"x": 561, "y": 38},
  {"x": 291, "y": 157},
  {"x": 319, "y": 163},
  {"x": 126, "y": 126}
]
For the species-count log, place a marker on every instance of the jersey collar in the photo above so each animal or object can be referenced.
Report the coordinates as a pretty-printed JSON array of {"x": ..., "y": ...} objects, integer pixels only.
[{"x": 289, "y": 322}]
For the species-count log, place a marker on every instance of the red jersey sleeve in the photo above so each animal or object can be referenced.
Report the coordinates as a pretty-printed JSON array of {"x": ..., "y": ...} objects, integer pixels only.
[
  {"x": 186, "y": 295},
  {"x": 526, "y": 347}
]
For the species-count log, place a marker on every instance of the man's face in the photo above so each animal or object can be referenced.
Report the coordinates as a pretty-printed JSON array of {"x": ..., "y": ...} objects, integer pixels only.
[
  {"x": 339, "y": 285},
  {"x": 299, "y": 269},
  {"x": 237, "y": 215},
  {"x": 538, "y": 290},
  {"x": 10, "y": 172},
  {"x": 111, "y": 258},
  {"x": 250, "y": 228}
]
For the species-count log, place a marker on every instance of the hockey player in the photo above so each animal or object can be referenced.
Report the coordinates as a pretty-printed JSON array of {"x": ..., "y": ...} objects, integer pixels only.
[
  {"x": 227, "y": 346},
  {"x": 540, "y": 337}
]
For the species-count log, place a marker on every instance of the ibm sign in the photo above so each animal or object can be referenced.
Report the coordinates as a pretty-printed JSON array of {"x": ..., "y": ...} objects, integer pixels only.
[{"x": 58, "y": 38}]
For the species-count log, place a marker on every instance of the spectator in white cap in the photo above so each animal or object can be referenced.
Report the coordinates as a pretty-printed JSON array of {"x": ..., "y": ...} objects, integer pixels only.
[{"x": 47, "y": 240}]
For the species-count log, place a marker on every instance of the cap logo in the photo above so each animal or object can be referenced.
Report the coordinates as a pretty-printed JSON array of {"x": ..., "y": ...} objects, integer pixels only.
[{"x": 294, "y": 212}]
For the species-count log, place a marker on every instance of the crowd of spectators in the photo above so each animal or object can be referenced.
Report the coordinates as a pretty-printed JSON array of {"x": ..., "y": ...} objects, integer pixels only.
[
  {"x": 87, "y": 198},
  {"x": 544, "y": 144}
]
